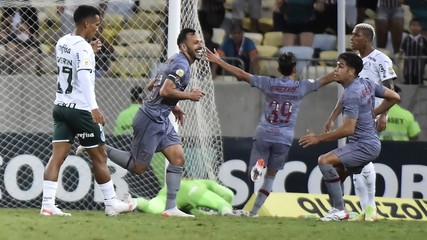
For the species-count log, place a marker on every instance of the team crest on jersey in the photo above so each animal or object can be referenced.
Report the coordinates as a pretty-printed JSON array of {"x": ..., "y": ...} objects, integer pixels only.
[
  {"x": 366, "y": 65},
  {"x": 180, "y": 72},
  {"x": 86, "y": 62}
]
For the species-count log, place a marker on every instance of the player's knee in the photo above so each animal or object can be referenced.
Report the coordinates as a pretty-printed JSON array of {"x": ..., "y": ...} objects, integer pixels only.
[
  {"x": 138, "y": 169},
  {"x": 322, "y": 160},
  {"x": 99, "y": 160},
  {"x": 178, "y": 161}
]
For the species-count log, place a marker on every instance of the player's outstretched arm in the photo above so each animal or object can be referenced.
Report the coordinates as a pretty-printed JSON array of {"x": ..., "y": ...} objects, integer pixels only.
[
  {"x": 237, "y": 72},
  {"x": 345, "y": 130},
  {"x": 390, "y": 98},
  {"x": 328, "y": 78}
]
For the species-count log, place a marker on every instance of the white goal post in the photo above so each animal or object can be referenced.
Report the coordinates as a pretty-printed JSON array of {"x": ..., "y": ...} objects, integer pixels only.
[{"x": 136, "y": 37}]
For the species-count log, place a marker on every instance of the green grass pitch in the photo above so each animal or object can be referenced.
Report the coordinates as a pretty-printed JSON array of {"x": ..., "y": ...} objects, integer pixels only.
[{"x": 27, "y": 224}]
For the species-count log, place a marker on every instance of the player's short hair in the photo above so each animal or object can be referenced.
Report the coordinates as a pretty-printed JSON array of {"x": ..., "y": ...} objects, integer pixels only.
[
  {"x": 136, "y": 94},
  {"x": 287, "y": 62},
  {"x": 367, "y": 29},
  {"x": 182, "y": 37},
  {"x": 352, "y": 60},
  {"x": 85, "y": 11}
]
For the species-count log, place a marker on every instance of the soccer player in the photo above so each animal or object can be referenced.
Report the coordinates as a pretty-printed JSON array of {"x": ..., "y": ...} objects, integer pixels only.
[
  {"x": 152, "y": 129},
  {"x": 275, "y": 131},
  {"x": 76, "y": 112},
  {"x": 378, "y": 68},
  {"x": 364, "y": 146},
  {"x": 195, "y": 196}
]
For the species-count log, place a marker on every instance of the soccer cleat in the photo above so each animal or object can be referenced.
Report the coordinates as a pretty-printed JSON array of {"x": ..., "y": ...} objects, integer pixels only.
[
  {"x": 370, "y": 213},
  {"x": 120, "y": 207},
  {"x": 256, "y": 172},
  {"x": 335, "y": 215},
  {"x": 354, "y": 216},
  {"x": 53, "y": 211},
  {"x": 80, "y": 150},
  {"x": 175, "y": 212}
]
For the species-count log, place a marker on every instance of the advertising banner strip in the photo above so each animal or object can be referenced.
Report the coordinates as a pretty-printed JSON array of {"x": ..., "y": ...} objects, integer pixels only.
[{"x": 297, "y": 205}]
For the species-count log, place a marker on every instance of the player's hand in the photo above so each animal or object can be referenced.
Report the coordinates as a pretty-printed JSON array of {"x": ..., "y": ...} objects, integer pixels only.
[
  {"x": 328, "y": 126},
  {"x": 179, "y": 115},
  {"x": 96, "y": 45},
  {"x": 98, "y": 117},
  {"x": 213, "y": 56},
  {"x": 309, "y": 139},
  {"x": 196, "y": 94},
  {"x": 381, "y": 123}
]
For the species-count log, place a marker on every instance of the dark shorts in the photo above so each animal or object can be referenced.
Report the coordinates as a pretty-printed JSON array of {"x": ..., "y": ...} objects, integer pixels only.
[
  {"x": 372, "y": 4},
  {"x": 281, "y": 24},
  {"x": 355, "y": 155},
  {"x": 150, "y": 137},
  {"x": 274, "y": 154},
  {"x": 69, "y": 123}
]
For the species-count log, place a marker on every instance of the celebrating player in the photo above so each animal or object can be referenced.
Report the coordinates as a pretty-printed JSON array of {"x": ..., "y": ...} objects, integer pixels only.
[
  {"x": 76, "y": 112},
  {"x": 275, "y": 131},
  {"x": 152, "y": 129},
  {"x": 378, "y": 68},
  {"x": 357, "y": 102}
]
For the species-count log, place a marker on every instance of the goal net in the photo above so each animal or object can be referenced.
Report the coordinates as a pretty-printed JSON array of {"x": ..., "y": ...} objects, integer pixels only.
[{"x": 134, "y": 46}]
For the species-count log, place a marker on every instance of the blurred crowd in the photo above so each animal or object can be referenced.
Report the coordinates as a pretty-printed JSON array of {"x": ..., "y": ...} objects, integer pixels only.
[
  {"x": 246, "y": 32},
  {"x": 401, "y": 30}
]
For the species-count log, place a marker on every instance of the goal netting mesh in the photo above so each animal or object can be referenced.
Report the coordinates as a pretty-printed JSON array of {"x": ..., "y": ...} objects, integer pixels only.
[{"x": 135, "y": 44}]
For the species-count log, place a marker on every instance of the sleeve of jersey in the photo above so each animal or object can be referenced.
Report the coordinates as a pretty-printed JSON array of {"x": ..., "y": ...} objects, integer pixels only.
[
  {"x": 413, "y": 128},
  {"x": 379, "y": 90},
  {"x": 251, "y": 48},
  {"x": 88, "y": 89},
  {"x": 176, "y": 73},
  {"x": 386, "y": 69},
  {"x": 85, "y": 57},
  {"x": 255, "y": 81},
  {"x": 309, "y": 85}
]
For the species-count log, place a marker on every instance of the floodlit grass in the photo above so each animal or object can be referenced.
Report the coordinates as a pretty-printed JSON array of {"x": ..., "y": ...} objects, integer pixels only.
[{"x": 27, "y": 224}]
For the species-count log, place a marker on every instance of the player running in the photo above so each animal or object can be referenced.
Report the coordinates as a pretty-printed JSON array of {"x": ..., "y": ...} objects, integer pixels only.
[{"x": 275, "y": 131}]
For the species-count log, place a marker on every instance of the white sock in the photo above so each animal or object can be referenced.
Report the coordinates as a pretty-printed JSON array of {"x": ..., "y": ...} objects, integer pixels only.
[
  {"x": 360, "y": 190},
  {"x": 108, "y": 192},
  {"x": 370, "y": 176},
  {"x": 49, "y": 193}
]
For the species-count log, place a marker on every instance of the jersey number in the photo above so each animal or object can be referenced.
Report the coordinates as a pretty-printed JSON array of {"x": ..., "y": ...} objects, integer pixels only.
[
  {"x": 280, "y": 113},
  {"x": 69, "y": 72}
]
